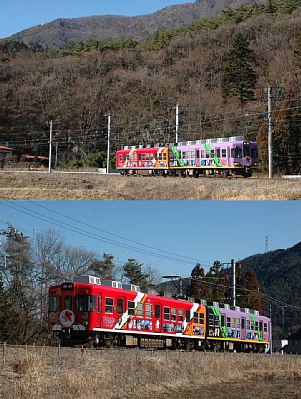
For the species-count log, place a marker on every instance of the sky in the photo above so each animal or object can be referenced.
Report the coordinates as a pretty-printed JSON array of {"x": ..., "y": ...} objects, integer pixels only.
[
  {"x": 170, "y": 236},
  {"x": 16, "y": 15}
]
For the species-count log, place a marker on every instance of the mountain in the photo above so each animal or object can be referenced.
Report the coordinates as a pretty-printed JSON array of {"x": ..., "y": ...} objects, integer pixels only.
[
  {"x": 279, "y": 273},
  {"x": 112, "y": 27}
]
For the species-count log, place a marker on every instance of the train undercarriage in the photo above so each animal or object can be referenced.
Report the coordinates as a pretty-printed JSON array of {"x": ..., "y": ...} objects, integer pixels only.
[
  {"x": 195, "y": 172},
  {"x": 93, "y": 339}
]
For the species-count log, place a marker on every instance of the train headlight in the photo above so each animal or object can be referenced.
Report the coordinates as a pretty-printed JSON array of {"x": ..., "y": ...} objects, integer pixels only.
[{"x": 237, "y": 164}]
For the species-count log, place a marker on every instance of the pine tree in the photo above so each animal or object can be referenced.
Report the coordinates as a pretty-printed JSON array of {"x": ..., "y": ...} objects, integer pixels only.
[
  {"x": 10, "y": 325},
  {"x": 197, "y": 288},
  {"x": 133, "y": 272},
  {"x": 238, "y": 78}
]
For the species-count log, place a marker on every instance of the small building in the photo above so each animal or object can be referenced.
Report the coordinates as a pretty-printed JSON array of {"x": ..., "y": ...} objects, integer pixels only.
[
  {"x": 5, "y": 152},
  {"x": 294, "y": 343}
]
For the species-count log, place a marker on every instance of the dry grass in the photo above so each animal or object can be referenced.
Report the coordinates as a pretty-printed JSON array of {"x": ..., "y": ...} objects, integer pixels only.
[
  {"x": 135, "y": 374},
  {"x": 44, "y": 186}
]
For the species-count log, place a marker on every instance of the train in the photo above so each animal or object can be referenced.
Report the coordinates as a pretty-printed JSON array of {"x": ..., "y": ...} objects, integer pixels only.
[
  {"x": 226, "y": 156},
  {"x": 98, "y": 313}
]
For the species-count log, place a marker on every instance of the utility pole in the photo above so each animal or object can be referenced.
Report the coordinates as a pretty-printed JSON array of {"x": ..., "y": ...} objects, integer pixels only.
[
  {"x": 50, "y": 147},
  {"x": 270, "y": 120},
  {"x": 233, "y": 267},
  {"x": 177, "y": 123},
  {"x": 56, "y": 147},
  {"x": 108, "y": 152},
  {"x": 180, "y": 283}
]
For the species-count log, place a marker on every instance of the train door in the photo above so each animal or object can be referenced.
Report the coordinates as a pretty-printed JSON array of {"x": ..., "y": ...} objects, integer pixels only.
[
  {"x": 98, "y": 310},
  {"x": 243, "y": 327},
  {"x": 120, "y": 307},
  {"x": 158, "y": 317}
]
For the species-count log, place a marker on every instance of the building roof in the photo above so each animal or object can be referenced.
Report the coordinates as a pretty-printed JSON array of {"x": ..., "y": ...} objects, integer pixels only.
[{"x": 4, "y": 148}]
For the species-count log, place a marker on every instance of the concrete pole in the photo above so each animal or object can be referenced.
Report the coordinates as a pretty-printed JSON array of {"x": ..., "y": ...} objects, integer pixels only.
[
  {"x": 50, "y": 147},
  {"x": 233, "y": 281},
  {"x": 108, "y": 151},
  {"x": 270, "y": 120},
  {"x": 177, "y": 123}
]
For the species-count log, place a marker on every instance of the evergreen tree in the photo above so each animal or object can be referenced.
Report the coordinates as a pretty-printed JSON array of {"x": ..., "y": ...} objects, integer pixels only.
[
  {"x": 197, "y": 288},
  {"x": 286, "y": 137},
  {"x": 238, "y": 78},
  {"x": 133, "y": 272},
  {"x": 248, "y": 290},
  {"x": 10, "y": 325},
  {"x": 103, "y": 267}
]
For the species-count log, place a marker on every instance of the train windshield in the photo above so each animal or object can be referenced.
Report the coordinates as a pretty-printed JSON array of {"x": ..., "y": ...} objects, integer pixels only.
[
  {"x": 236, "y": 152},
  {"x": 54, "y": 303},
  {"x": 247, "y": 149},
  {"x": 85, "y": 303}
]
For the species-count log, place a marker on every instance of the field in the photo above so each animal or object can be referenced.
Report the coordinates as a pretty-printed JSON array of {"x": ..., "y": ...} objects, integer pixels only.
[
  {"x": 61, "y": 186},
  {"x": 114, "y": 374}
]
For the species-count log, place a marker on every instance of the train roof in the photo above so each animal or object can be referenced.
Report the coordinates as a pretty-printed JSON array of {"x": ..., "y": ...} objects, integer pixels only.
[
  {"x": 219, "y": 140},
  {"x": 93, "y": 280}
]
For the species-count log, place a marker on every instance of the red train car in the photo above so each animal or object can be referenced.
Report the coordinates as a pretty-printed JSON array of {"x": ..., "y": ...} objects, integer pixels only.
[{"x": 134, "y": 158}]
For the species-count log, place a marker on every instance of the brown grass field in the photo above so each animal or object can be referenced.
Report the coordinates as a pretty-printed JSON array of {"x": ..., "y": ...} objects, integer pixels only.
[
  {"x": 114, "y": 374},
  {"x": 62, "y": 186}
]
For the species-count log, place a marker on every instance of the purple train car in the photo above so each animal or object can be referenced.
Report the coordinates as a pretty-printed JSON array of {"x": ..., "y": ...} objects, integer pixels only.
[
  {"x": 235, "y": 328},
  {"x": 225, "y": 156}
]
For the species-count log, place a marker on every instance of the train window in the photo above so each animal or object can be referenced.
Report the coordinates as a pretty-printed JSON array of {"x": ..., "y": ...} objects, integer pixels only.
[
  {"x": 203, "y": 154},
  {"x": 195, "y": 317},
  {"x": 212, "y": 153},
  {"x": 254, "y": 152},
  {"x": 237, "y": 325},
  {"x": 166, "y": 313},
  {"x": 140, "y": 309},
  {"x": 109, "y": 305},
  {"x": 228, "y": 322},
  {"x": 131, "y": 308},
  {"x": 236, "y": 152},
  {"x": 207, "y": 154},
  {"x": 160, "y": 156},
  {"x": 222, "y": 319},
  {"x": 148, "y": 310},
  {"x": 243, "y": 324},
  {"x": 197, "y": 154},
  {"x": 139, "y": 157},
  {"x": 218, "y": 152},
  {"x": 252, "y": 325},
  {"x": 128, "y": 157},
  {"x": 85, "y": 303},
  {"x": 202, "y": 318},
  {"x": 120, "y": 306},
  {"x": 54, "y": 303},
  {"x": 256, "y": 325},
  {"x": 181, "y": 315},
  {"x": 68, "y": 303},
  {"x": 260, "y": 326},
  {"x": 98, "y": 304},
  {"x": 183, "y": 155},
  {"x": 265, "y": 327},
  {"x": 164, "y": 156},
  {"x": 151, "y": 156},
  {"x": 120, "y": 158},
  {"x": 224, "y": 152},
  {"x": 173, "y": 314},
  {"x": 147, "y": 156},
  {"x": 187, "y": 316},
  {"x": 157, "y": 311},
  {"x": 211, "y": 319},
  {"x": 248, "y": 325},
  {"x": 142, "y": 157},
  {"x": 233, "y": 322}
]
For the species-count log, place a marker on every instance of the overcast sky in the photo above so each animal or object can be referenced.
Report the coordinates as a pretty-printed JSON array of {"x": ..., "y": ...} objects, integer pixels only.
[
  {"x": 170, "y": 236},
  {"x": 16, "y": 15}
]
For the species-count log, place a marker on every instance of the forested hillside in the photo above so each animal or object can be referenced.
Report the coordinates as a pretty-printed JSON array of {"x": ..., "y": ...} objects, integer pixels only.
[
  {"x": 139, "y": 84},
  {"x": 62, "y": 31}
]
